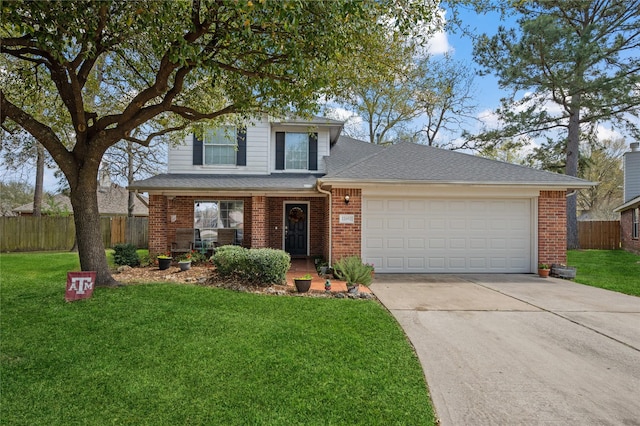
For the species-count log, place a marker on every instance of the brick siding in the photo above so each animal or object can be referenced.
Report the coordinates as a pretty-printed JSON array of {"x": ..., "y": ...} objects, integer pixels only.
[
  {"x": 628, "y": 243},
  {"x": 552, "y": 227},
  {"x": 347, "y": 238}
]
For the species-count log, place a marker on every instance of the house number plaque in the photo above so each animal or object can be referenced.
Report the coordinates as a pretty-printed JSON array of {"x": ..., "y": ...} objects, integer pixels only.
[{"x": 347, "y": 219}]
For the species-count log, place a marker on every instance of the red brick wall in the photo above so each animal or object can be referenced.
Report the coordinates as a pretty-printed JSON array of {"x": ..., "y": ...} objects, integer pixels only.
[
  {"x": 257, "y": 223},
  {"x": 552, "y": 227},
  {"x": 628, "y": 243},
  {"x": 157, "y": 225},
  {"x": 347, "y": 238}
]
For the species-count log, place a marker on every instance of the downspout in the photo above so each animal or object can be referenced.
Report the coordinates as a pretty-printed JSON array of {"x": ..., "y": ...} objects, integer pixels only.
[{"x": 322, "y": 191}]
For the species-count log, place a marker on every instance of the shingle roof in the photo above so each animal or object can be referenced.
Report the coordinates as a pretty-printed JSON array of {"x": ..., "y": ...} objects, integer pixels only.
[
  {"x": 191, "y": 182},
  {"x": 419, "y": 163},
  {"x": 348, "y": 151}
]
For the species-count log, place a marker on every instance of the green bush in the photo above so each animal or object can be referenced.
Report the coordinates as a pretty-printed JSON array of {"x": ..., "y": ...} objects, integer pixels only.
[
  {"x": 125, "y": 254},
  {"x": 255, "y": 266},
  {"x": 353, "y": 271}
]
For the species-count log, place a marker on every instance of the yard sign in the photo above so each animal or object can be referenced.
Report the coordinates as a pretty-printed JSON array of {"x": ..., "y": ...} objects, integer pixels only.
[{"x": 79, "y": 285}]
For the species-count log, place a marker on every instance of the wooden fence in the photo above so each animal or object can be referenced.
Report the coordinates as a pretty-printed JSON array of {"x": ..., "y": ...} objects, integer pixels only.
[
  {"x": 28, "y": 233},
  {"x": 604, "y": 235}
]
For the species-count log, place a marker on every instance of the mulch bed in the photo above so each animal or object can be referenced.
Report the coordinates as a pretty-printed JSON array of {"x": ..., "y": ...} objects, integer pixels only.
[{"x": 208, "y": 276}]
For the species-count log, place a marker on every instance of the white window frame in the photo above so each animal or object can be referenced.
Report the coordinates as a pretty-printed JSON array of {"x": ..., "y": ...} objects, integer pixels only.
[
  {"x": 288, "y": 160},
  {"x": 221, "y": 137},
  {"x": 208, "y": 226}
]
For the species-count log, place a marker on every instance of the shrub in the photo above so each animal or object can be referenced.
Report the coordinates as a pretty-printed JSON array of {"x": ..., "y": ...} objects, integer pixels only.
[
  {"x": 353, "y": 271},
  {"x": 125, "y": 254},
  {"x": 256, "y": 266}
]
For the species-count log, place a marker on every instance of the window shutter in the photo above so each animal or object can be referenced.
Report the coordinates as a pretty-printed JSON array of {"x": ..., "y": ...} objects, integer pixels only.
[
  {"x": 279, "y": 150},
  {"x": 313, "y": 151},
  {"x": 197, "y": 151},
  {"x": 241, "y": 155}
]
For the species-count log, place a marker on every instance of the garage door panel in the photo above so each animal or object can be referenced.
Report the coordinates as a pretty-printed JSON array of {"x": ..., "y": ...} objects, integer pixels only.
[{"x": 447, "y": 235}]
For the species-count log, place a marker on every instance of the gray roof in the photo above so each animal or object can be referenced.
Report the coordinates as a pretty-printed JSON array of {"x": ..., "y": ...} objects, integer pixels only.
[
  {"x": 112, "y": 200},
  {"x": 192, "y": 182},
  {"x": 348, "y": 151},
  {"x": 419, "y": 163}
]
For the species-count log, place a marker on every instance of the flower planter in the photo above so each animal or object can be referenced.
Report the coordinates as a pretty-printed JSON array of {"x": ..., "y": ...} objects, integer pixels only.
[
  {"x": 544, "y": 273},
  {"x": 562, "y": 271},
  {"x": 164, "y": 263},
  {"x": 353, "y": 289},
  {"x": 184, "y": 265},
  {"x": 302, "y": 286}
]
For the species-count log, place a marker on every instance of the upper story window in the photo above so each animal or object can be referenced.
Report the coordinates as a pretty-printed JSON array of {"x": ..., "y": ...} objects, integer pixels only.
[
  {"x": 296, "y": 151},
  {"x": 220, "y": 146}
]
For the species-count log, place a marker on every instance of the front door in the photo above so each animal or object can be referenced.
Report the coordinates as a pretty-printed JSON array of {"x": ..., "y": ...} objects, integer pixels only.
[{"x": 295, "y": 229}]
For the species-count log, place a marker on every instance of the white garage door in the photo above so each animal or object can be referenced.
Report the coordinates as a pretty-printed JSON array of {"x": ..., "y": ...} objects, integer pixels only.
[{"x": 442, "y": 236}]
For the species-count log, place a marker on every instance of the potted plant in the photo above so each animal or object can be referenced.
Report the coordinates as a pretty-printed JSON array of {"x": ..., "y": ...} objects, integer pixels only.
[
  {"x": 164, "y": 261},
  {"x": 184, "y": 261},
  {"x": 303, "y": 283},
  {"x": 543, "y": 270},
  {"x": 354, "y": 272}
]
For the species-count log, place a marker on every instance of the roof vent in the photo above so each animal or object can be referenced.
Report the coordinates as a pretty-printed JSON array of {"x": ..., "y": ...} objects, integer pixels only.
[{"x": 635, "y": 146}]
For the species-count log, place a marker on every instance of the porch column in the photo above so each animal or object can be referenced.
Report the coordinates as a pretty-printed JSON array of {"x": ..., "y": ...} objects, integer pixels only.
[
  {"x": 158, "y": 242},
  {"x": 258, "y": 222}
]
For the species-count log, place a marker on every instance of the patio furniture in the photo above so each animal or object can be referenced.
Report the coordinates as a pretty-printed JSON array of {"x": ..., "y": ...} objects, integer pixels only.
[
  {"x": 226, "y": 236},
  {"x": 185, "y": 241}
]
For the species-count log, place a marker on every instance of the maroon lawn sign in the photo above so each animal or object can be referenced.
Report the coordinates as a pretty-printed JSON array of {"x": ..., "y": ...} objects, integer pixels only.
[{"x": 79, "y": 285}]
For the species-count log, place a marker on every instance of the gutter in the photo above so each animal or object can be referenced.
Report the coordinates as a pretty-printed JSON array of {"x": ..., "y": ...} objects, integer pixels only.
[{"x": 323, "y": 191}]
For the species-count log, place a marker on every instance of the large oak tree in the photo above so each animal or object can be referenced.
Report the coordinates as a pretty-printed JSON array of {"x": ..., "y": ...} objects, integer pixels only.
[{"x": 165, "y": 65}]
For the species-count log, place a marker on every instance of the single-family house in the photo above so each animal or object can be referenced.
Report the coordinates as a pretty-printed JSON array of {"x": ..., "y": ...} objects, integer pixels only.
[
  {"x": 630, "y": 209},
  {"x": 299, "y": 185}
]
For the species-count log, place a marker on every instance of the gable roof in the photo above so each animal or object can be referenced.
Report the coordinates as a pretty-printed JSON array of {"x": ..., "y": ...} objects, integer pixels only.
[
  {"x": 409, "y": 162},
  {"x": 113, "y": 200}
]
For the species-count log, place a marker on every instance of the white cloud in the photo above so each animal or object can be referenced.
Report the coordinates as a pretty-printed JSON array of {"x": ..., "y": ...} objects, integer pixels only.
[
  {"x": 602, "y": 133},
  {"x": 439, "y": 44}
]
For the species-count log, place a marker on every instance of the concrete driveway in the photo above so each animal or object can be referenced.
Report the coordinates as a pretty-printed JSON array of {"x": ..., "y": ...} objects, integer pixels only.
[{"x": 519, "y": 349}]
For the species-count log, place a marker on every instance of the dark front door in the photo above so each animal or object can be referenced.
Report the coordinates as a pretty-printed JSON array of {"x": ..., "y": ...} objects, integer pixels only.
[{"x": 295, "y": 230}]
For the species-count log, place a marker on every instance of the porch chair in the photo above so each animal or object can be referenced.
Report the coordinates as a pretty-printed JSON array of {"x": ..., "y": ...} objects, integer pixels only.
[
  {"x": 226, "y": 236},
  {"x": 184, "y": 243}
]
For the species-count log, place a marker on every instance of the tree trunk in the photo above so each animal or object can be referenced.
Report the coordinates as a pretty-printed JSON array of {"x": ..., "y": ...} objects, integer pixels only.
[
  {"x": 130, "y": 204},
  {"x": 84, "y": 200},
  {"x": 39, "y": 187},
  {"x": 571, "y": 169}
]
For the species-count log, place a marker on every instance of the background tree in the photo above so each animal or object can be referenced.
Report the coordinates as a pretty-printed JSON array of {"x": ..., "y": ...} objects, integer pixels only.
[
  {"x": 14, "y": 194},
  {"x": 603, "y": 164},
  {"x": 582, "y": 56},
  {"x": 170, "y": 64}
]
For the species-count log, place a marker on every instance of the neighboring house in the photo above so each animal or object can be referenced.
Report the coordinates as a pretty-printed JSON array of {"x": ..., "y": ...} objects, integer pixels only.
[
  {"x": 113, "y": 200},
  {"x": 299, "y": 186},
  {"x": 630, "y": 210}
]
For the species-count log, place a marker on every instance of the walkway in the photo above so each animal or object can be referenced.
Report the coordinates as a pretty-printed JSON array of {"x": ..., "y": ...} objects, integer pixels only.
[{"x": 300, "y": 267}]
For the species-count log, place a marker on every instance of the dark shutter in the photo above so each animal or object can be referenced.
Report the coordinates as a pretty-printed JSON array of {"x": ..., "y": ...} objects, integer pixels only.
[
  {"x": 197, "y": 151},
  {"x": 279, "y": 150},
  {"x": 313, "y": 151},
  {"x": 241, "y": 155}
]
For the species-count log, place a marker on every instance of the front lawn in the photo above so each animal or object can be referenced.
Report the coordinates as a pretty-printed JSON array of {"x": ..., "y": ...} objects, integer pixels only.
[
  {"x": 615, "y": 270},
  {"x": 166, "y": 354}
]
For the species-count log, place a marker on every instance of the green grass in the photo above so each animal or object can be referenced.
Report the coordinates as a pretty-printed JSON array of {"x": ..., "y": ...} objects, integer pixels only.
[
  {"x": 615, "y": 270},
  {"x": 168, "y": 354}
]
